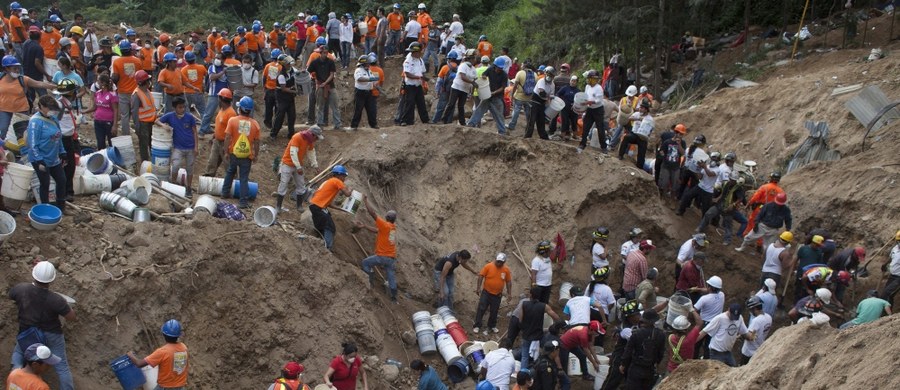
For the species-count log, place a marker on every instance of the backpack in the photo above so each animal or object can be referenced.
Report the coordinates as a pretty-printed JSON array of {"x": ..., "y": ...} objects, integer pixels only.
[
  {"x": 28, "y": 96},
  {"x": 241, "y": 147},
  {"x": 530, "y": 82}
]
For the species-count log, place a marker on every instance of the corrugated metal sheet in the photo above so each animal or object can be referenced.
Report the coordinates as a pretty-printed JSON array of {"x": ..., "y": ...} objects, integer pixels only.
[
  {"x": 814, "y": 148},
  {"x": 868, "y": 103}
]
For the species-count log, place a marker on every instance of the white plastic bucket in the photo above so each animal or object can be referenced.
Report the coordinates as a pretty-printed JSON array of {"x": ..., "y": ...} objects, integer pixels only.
[
  {"x": 265, "y": 216},
  {"x": 595, "y": 140},
  {"x": 565, "y": 293},
  {"x": 207, "y": 203},
  {"x": 138, "y": 182},
  {"x": 679, "y": 305},
  {"x": 95, "y": 184},
  {"x": 484, "y": 87},
  {"x": 646, "y": 127},
  {"x": 174, "y": 188},
  {"x": 556, "y": 105},
  {"x": 36, "y": 189},
  {"x": 447, "y": 348},
  {"x": 152, "y": 179},
  {"x": 114, "y": 202},
  {"x": 150, "y": 374},
  {"x": 574, "y": 366},
  {"x": 438, "y": 323},
  {"x": 98, "y": 163},
  {"x": 157, "y": 100},
  {"x": 211, "y": 185},
  {"x": 351, "y": 204},
  {"x": 7, "y": 226},
  {"x": 125, "y": 146},
  {"x": 181, "y": 177},
  {"x": 51, "y": 65},
  {"x": 580, "y": 98},
  {"x": 17, "y": 181}
]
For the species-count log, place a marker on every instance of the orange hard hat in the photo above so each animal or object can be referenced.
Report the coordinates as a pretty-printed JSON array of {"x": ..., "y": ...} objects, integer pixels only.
[
  {"x": 163, "y": 37},
  {"x": 225, "y": 93},
  {"x": 680, "y": 129}
]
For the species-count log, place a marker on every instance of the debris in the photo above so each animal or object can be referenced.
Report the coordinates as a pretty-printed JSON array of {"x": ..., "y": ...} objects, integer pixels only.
[
  {"x": 390, "y": 372},
  {"x": 847, "y": 89},
  {"x": 814, "y": 148},
  {"x": 876, "y": 54},
  {"x": 872, "y": 108}
]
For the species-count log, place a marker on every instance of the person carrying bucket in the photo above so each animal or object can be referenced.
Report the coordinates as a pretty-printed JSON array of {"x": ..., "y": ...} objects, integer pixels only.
[
  {"x": 291, "y": 378},
  {"x": 301, "y": 146},
  {"x": 39, "y": 359},
  {"x": 242, "y": 140},
  {"x": 39, "y": 310},
  {"x": 171, "y": 359},
  {"x": 321, "y": 201},
  {"x": 385, "y": 247}
]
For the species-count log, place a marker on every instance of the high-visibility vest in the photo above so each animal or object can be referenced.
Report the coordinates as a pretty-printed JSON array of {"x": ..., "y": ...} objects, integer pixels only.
[{"x": 147, "y": 110}]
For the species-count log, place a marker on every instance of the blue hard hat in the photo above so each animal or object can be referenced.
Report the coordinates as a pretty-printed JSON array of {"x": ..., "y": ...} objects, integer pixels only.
[
  {"x": 484, "y": 385},
  {"x": 276, "y": 25},
  {"x": 541, "y": 68},
  {"x": 15, "y": 6},
  {"x": 257, "y": 28},
  {"x": 226, "y": 49},
  {"x": 257, "y": 22},
  {"x": 190, "y": 56},
  {"x": 321, "y": 41},
  {"x": 373, "y": 58},
  {"x": 339, "y": 170},
  {"x": 117, "y": 37},
  {"x": 482, "y": 38},
  {"x": 125, "y": 45},
  {"x": 55, "y": 19},
  {"x": 314, "y": 18},
  {"x": 396, "y": 5},
  {"x": 169, "y": 57},
  {"x": 276, "y": 53},
  {"x": 453, "y": 55},
  {"x": 246, "y": 103},
  {"x": 130, "y": 33},
  {"x": 499, "y": 62},
  {"x": 172, "y": 328},
  {"x": 241, "y": 30},
  {"x": 10, "y": 60}
]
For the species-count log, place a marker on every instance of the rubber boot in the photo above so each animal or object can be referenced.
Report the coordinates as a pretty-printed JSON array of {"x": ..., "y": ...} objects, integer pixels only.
[
  {"x": 299, "y": 201},
  {"x": 279, "y": 199},
  {"x": 394, "y": 295}
]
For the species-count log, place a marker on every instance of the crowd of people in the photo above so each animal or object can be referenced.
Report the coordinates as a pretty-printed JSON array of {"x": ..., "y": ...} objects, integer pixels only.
[{"x": 207, "y": 85}]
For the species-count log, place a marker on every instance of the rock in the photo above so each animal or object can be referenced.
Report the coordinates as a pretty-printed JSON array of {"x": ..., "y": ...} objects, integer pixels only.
[
  {"x": 127, "y": 230},
  {"x": 82, "y": 217},
  {"x": 34, "y": 250},
  {"x": 390, "y": 372},
  {"x": 408, "y": 337},
  {"x": 372, "y": 360},
  {"x": 136, "y": 241}
]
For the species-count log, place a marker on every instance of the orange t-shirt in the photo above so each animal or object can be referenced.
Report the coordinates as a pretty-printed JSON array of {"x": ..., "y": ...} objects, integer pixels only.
[
  {"x": 252, "y": 41},
  {"x": 270, "y": 75},
  {"x": 372, "y": 23},
  {"x": 12, "y": 97},
  {"x": 377, "y": 69},
  {"x": 395, "y": 21},
  {"x": 385, "y": 242},
  {"x": 424, "y": 20},
  {"x": 147, "y": 60},
  {"x": 74, "y": 52},
  {"x": 19, "y": 379},
  {"x": 222, "y": 119},
  {"x": 242, "y": 125},
  {"x": 126, "y": 67},
  {"x": 172, "y": 360},
  {"x": 326, "y": 192},
  {"x": 302, "y": 146},
  {"x": 290, "y": 40},
  {"x": 14, "y": 22},
  {"x": 50, "y": 43},
  {"x": 194, "y": 74},
  {"x": 312, "y": 33},
  {"x": 173, "y": 78},
  {"x": 273, "y": 39},
  {"x": 240, "y": 48},
  {"x": 219, "y": 43},
  {"x": 160, "y": 53},
  {"x": 485, "y": 48},
  {"x": 494, "y": 278}
]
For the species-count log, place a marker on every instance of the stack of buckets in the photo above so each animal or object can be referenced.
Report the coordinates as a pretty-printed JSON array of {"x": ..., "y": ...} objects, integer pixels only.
[
  {"x": 457, "y": 366},
  {"x": 161, "y": 148},
  {"x": 213, "y": 186},
  {"x": 424, "y": 332},
  {"x": 455, "y": 330}
]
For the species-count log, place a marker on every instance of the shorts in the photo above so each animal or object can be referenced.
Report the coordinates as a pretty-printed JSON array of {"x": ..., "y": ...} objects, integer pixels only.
[
  {"x": 179, "y": 156},
  {"x": 286, "y": 174}
]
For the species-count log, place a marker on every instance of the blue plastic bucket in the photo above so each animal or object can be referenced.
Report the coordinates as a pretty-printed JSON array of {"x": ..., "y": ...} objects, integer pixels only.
[
  {"x": 160, "y": 157},
  {"x": 114, "y": 155},
  {"x": 458, "y": 370},
  {"x": 87, "y": 151},
  {"x": 236, "y": 189},
  {"x": 129, "y": 375}
]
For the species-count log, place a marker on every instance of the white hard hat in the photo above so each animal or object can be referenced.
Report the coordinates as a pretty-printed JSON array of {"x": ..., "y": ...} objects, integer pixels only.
[
  {"x": 681, "y": 323},
  {"x": 715, "y": 281},
  {"x": 501, "y": 256},
  {"x": 44, "y": 272},
  {"x": 300, "y": 15},
  {"x": 824, "y": 294},
  {"x": 643, "y": 89},
  {"x": 770, "y": 285},
  {"x": 422, "y": 6},
  {"x": 631, "y": 91}
]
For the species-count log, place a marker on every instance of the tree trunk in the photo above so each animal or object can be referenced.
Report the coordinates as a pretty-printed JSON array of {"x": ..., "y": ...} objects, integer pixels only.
[{"x": 657, "y": 77}]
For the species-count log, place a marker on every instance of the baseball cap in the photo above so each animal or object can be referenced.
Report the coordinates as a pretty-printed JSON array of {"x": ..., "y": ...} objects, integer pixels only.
[
  {"x": 501, "y": 257},
  {"x": 595, "y": 326},
  {"x": 34, "y": 29},
  {"x": 40, "y": 353},
  {"x": 818, "y": 240},
  {"x": 573, "y": 78},
  {"x": 647, "y": 244},
  {"x": 734, "y": 309},
  {"x": 293, "y": 368},
  {"x": 317, "y": 131}
]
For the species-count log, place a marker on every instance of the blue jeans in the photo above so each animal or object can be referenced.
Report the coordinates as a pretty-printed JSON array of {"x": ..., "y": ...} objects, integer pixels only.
[
  {"x": 370, "y": 44},
  {"x": 393, "y": 42},
  {"x": 614, "y": 141},
  {"x": 17, "y": 48},
  {"x": 441, "y": 106},
  {"x": 233, "y": 164},
  {"x": 57, "y": 344},
  {"x": 345, "y": 53},
  {"x": 387, "y": 263},
  {"x": 495, "y": 106},
  {"x": 611, "y": 87},
  {"x": 724, "y": 357},
  {"x": 846, "y": 325},
  {"x": 212, "y": 105},
  {"x": 525, "y": 357},
  {"x": 517, "y": 105},
  {"x": 740, "y": 218},
  {"x": 432, "y": 53},
  {"x": 448, "y": 287},
  {"x": 5, "y": 120}
]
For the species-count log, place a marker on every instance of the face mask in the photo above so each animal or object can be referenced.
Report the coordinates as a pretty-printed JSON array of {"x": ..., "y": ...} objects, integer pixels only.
[
  {"x": 217, "y": 62},
  {"x": 48, "y": 28},
  {"x": 53, "y": 114},
  {"x": 147, "y": 46},
  {"x": 246, "y": 66},
  {"x": 351, "y": 360},
  {"x": 14, "y": 75}
]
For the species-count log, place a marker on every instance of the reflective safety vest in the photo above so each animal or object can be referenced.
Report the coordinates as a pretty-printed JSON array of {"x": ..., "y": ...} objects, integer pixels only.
[{"x": 147, "y": 110}]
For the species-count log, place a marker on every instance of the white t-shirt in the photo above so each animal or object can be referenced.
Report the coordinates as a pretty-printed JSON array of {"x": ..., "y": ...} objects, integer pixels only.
[
  {"x": 467, "y": 69},
  {"x": 603, "y": 295},
  {"x": 415, "y": 67},
  {"x": 413, "y": 29},
  {"x": 723, "y": 173},
  {"x": 595, "y": 94},
  {"x": 544, "y": 85},
  {"x": 362, "y": 72},
  {"x": 500, "y": 366},
  {"x": 579, "y": 310},
  {"x": 724, "y": 331},
  {"x": 544, "y": 276},
  {"x": 456, "y": 28},
  {"x": 250, "y": 76},
  {"x": 346, "y": 32},
  {"x": 460, "y": 49},
  {"x": 895, "y": 260},
  {"x": 769, "y": 301},
  {"x": 91, "y": 45},
  {"x": 686, "y": 252},
  {"x": 707, "y": 182},
  {"x": 627, "y": 247},
  {"x": 710, "y": 305},
  {"x": 596, "y": 252},
  {"x": 761, "y": 326},
  {"x": 772, "y": 263}
]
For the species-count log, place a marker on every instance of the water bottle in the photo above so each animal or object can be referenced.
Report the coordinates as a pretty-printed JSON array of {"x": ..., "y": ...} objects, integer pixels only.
[
  {"x": 572, "y": 260},
  {"x": 394, "y": 362}
]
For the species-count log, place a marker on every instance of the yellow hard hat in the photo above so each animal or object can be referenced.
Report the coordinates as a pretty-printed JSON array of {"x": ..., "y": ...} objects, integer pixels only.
[
  {"x": 76, "y": 30},
  {"x": 897, "y": 236},
  {"x": 787, "y": 236}
]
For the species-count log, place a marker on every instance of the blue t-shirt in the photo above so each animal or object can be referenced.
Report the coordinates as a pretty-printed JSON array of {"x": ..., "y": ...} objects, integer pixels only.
[
  {"x": 216, "y": 85},
  {"x": 182, "y": 129}
]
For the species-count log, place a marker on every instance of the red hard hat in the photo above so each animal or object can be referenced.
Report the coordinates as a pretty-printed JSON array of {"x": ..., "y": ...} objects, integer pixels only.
[
  {"x": 564, "y": 66},
  {"x": 225, "y": 93},
  {"x": 141, "y": 76},
  {"x": 844, "y": 277},
  {"x": 860, "y": 253},
  {"x": 781, "y": 199}
]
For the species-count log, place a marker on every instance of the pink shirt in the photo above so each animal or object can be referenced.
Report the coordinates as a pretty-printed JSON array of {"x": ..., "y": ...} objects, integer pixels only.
[{"x": 104, "y": 101}]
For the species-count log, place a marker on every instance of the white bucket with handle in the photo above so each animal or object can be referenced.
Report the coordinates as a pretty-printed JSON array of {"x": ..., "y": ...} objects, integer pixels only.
[
  {"x": 554, "y": 107},
  {"x": 351, "y": 204},
  {"x": 17, "y": 181},
  {"x": 484, "y": 87}
]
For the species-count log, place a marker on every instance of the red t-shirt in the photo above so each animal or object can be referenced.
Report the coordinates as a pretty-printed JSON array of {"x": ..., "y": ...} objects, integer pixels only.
[
  {"x": 344, "y": 377},
  {"x": 687, "y": 347},
  {"x": 576, "y": 337}
]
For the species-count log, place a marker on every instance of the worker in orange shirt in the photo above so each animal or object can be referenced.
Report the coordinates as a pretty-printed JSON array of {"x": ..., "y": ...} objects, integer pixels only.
[
  {"x": 145, "y": 54},
  {"x": 276, "y": 37},
  {"x": 385, "y": 255},
  {"x": 193, "y": 75},
  {"x": 270, "y": 83},
  {"x": 217, "y": 148},
  {"x": 312, "y": 35},
  {"x": 242, "y": 140},
  {"x": 50, "y": 40},
  {"x": 764, "y": 194},
  {"x": 300, "y": 152},
  {"x": 17, "y": 31},
  {"x": 485, "y": 48},
  {"x": 239, "y": 42},
  {"x": 372, "y": 25},
  {"x": 171, "y": 81},
  {"x": 375, "y": 69},
  {"x": 221, "y": 41},
  {"x": 253, "y": 45},
  {"x": 291, "y": 44},
  {"x": 122, "y": 73},
  {"x": 395, "y": 31},
  {"x": 211, "y": 49},
  {"x": 159, "y": 58},
  {"x": 321, "y": 201},
  {"x": 425, "y": 21}
]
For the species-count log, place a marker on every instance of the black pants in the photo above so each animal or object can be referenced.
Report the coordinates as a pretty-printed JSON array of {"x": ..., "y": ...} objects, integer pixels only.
[
  {"x": 614, "y": 378},
  {"x": 415, "y": 101},
  {"x": 485, "y": 302},
  {"x": 321, "y": 220},
  {"x": 536, "y": 118},
  {"x": 545, "y": 294},
  {"x": 512, "y": 329},
  {"x": 891, "y": 288},
  {"x": 688, "y": 180},
  {"x": 569, "y": 121},
  {"x": 594, "y": 116},
  {"x": 69, "y": 169},
  {"x": 579, "y": 353},
  {"x": 704, "y": 197},
  {"x": 641, "y": 143},
  {"x": 363, "y": 99},
  {"x": 270, "y": 107},
  {"x": 59, "y": 176},
  {"x": 287, "y": 108},
  {"x": 334, "y": 46},
  {"x": 458, "y": 101},
  {"x": 407, "y": 41},
  {"x": 640, "y": 377}
]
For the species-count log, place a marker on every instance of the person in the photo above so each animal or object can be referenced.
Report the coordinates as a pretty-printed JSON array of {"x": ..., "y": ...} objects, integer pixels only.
[
  {"x": 599, "y": 256},
  {"x": 690, "y": 172},
  {"x": 532, "y": 325},
  {"x": 17, "y": 32},
  {"x": 808, "y": 256},
  {"x": 811, "y": 304},
  {"x": 285, "y": 94},
  {"x": 345, "y": 31},
  {"x": 768, "y": 295},
  {"x": 344, "y": 370},
  {"x": 270, "y": 72},
  {"x": 669, "y": 155},
  {"x": 817, "y": 276},
  {"x": 39, "y": 310},
  {"x": 381, "y": 36},
  {"x": 578, "y": 307},
  {"x": 217, "y": 144},
  {"x": 602, "y": 300},
  {"x": 385, "y": 248},
  {"x": 67, "y": 96},
  {"x": 523, "y": 88},
  {"x": 249, "y": 77},
  {"x": 216, "y": 81},
  {"x": 644, "y": 351},
  {"x": 891, "y": 268},
  {"x": 38, "y": 360},
  {"x": 723, "y": 331},
  {"x": 291, "y": 378},
  {"x": 869, "y": 310},
  {"x": 709, "y": 306},
  {"x": 777, "y": 258},
  {"x": 726, "y": 204},
  {"x": 143, "y": 112},
  {"x": 593, "y": 116},
  {"x": 772, "y": 217},
  {"x": 543, "y": 94},
  {"x": 485, "y": 48},
  {"x": 193, "y": 75},
  {"x": 14, "y": 95},
  {"x": 632, "y": 244},
  {"x": 242, "y": 147},
  {"x": 636, "y": 268},
  {"x": 524, "y": 380},
  {"x": 542, "y": 271},
  {"x": 105, "y": 111},
  {"x": 687, "y": 250},
  {"x": 460, "y": 88},
  {"x": 847, "y": 260},
  {"x": 46, "y": 151},
  {"x": 322, "y": 199},
  {"x": 395, "y": 28},
  {"x": 546, "y": 369},
  {"x": 428, "y": 377},
  {"x": 489, "y": 286},
  {"x": 646, "y": 290},
  {"x": 494, "y": 103},
  {"x": 363, "y": 98},
  {"x": 498, "y": 365},
  {"x": 757, "y": 330},
  {"x": 184, "y": 140},
  {"x": 639, "y": 134},
  {"x": 170, "y": 80},
  {"x": 325, "y": 70},
  {"x": 765, "y": 194},
  {"x": 631, "y": 315},
  {"x": 172, "y": 359},
  {"x": 414, "y": 74},
  {"x": 690, "y": 280},
  {"x": 34, "y": 63},
  {"x": 300, "y": 151},
  {"x": 442, "y": 86},
  {"x": 444, "y": 278},
  {"x": 579, "y": 340},
  {"x": 702, "y": 192},
  {"x": 412, "y": 30},
  {"x": 680, "y": 344}
]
